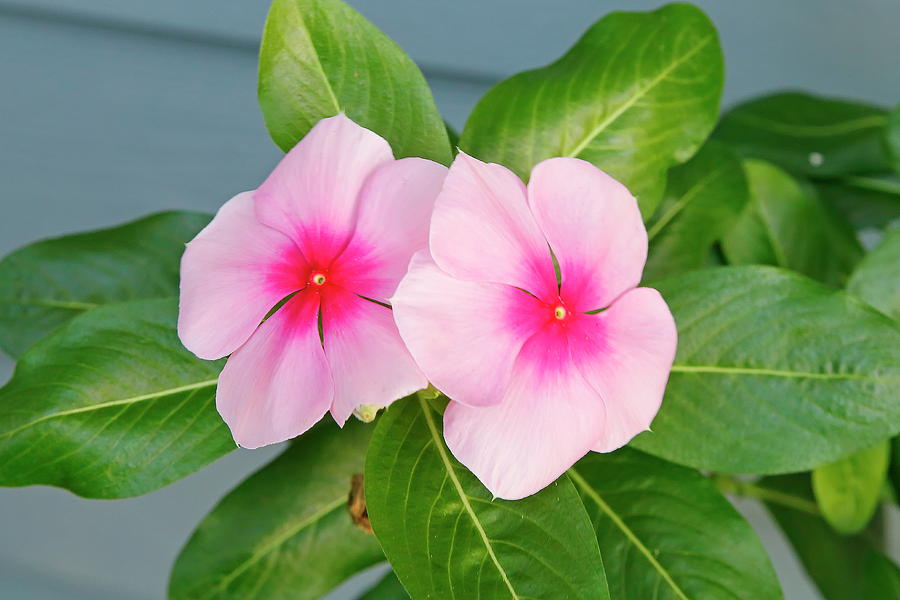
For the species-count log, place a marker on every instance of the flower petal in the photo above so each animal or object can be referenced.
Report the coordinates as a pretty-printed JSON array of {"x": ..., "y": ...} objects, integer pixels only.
[
  {"x": 482, "y": 229},
  {"x": 465, "y": 335},
  {"x": 595, "y": 229},
  {"x": 626, "y": 353},
  {"x": 369, "y": 363},
  {"x": 277, "y": 385},
  {"x": 311, "y": 195},
  {"x": 549, "y": 418},
  {"x": 392, "y": 224},
  {"x": 232, "y": 274}
]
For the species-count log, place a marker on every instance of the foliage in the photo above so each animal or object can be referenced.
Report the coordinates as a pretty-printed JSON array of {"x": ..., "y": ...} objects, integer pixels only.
[{"x": 788, "y": 358}]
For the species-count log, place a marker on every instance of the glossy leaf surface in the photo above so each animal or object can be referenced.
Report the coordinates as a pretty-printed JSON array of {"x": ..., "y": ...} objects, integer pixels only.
[
  {"x": 637, "y": 94},
  {"x": 774, "y": 373},
  {"x": 877, "y": 278},
  {"x": 813, "y": 135},
  {"x": 702, "y": 201},
  {"x": 285, "y": 532},
  {"x": 111, "y": 405},
  {"x": 321, "y": 57},
  {"x": 444, "y": 535},
  {"x": 667, "y": 532},
  {"x": 47, "y": 283}
]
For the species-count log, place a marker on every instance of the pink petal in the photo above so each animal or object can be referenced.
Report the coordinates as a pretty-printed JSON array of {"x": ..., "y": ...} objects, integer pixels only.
[
  {"x": 277, "y": 385},
  {"x": 311, "y": 195},
  {"x": 626, "y": 353},
  {"x": 593, "y": 225},
  {"x": 549, "y": 418},
  {"x": 368, "y": 361},
  {"x": 482, "y": 229},
  {"x": 232, "y": 274},
  {"x": 465, "y": 335},
  {"x": 394, "y": 210}
]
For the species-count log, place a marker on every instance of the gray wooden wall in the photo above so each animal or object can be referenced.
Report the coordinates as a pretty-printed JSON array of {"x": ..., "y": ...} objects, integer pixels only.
[{"x": 110, "y": 109}]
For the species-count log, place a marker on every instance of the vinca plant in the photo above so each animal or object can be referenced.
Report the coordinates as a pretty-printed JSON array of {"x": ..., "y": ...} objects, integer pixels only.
[{"x": 529, "y": 361}]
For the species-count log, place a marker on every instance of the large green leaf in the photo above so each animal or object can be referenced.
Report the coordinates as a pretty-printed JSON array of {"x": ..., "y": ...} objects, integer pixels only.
[
  {"x": 637, "y": 94},
  {"x": 111, "y": 405},
  {"x": 447, "y": 538},
  {"x": 785, "y": 224},
  {"x": 833, "y": 561},
  {"x": 389, "y": 588},
  {"x": 774, "y": 373},
  {"x": 865, "y": 201},
  {"x": 667, "y": 532},
  {"x": 47, "y": 283},
  {"x": 703, "y": 198},
  {"x": 877, "y": 278},
  {"x": 285, "y": 533},
  {"x": 808, "y": 134},
  {"x": 881, "y": 579},
  {"x": 847, "y": 490},
  {"x": 321, "y": 57}
]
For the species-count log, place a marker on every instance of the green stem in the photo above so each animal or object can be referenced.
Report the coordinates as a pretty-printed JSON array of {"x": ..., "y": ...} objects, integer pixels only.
[{"x": 747, "y": 489}]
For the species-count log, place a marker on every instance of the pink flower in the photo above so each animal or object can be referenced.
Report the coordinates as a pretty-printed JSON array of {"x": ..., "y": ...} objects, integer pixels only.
[
  {"x": 335, "y": 224},
  {"x": 538, "y": 376}
]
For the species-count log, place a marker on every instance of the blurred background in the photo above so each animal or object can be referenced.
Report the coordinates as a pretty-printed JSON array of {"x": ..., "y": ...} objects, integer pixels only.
[{"x": 112, "y": 109}]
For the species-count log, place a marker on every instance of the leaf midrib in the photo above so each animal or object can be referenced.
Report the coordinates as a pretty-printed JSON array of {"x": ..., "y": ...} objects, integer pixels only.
[
  {"x": 51, "y": 303},
  {"x": 318, "y": 61},
  {"x": 682, "y": 202},
  {"x": 632, "y": 537},
  {"x": 849, "y": 126},
  {"x": 438, "y": 443},
  {"x": 110, "y": 403},
  {"x": 753, "y": 371},
  {"x": 596, "y": 131},
  {"x": 264, "y": 549}
]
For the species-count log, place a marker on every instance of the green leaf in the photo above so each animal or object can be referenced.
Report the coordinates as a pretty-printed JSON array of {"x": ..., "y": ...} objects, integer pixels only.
[
  {"x": 877, "y": 278},
  {"x": 446, "y": 537},
  {"x": 321, "y": 57},
  {"x": 774, "y": 373},
  {"x": 47, "y": 283},
  {"x": 812, "y": 135},
  {"x": 786, "y": 225},
  {"x": 667, "y": 532},
  {"x": 847, "y": 490},
  {"x": 865, "y": 201},
  {"x": 285, "y": 532},
  {"x": 893, "y": 138},
  {"x": 882, "y": 578},
  {"x": 833, "y": 561},
  {"x": 703, "y": 198},
  {"x": 637, "y": 94},
  {"x": 894, "y": 469},
  {"x": 111, "y": 405},
  {"x": 389, "y": 588}
]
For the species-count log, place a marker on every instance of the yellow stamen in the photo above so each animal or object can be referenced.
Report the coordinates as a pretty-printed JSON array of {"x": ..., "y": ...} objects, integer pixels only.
[
  {"x": 318, "y": 279},
  {"x": 559, "y": 313}
]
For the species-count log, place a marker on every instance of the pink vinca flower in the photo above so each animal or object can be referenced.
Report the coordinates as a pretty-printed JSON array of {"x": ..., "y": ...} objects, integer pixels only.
[
  {"x": 335, "y": 224},
  {"x": 539, "y": 374}
]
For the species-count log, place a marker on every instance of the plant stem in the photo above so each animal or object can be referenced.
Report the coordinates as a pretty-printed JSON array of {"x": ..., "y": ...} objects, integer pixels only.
[{"x": 748, "y": 489}]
